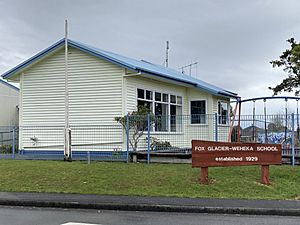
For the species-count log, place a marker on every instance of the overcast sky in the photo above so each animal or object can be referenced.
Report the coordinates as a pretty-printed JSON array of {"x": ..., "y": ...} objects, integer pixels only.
[{"x": 232, "y": 40}]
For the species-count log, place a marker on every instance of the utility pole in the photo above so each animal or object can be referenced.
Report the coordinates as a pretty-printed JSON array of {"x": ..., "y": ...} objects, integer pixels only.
[
  {"x": 67, "y": 130},
  {"x": 167, "y": 54}
]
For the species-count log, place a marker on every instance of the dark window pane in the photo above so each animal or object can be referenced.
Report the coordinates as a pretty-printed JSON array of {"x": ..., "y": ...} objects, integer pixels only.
[
  {"x": 161, "y": 114},
  {"x": 198, "y": 111},
  {"x": 173, "y": 99},
  {"x": 223, "y": 112},
  {"x": 149, "y": 95},
  {"x": 157, "y": 96},
  {"x": 141, "y": 93},
  {"x": 146, "y": 104},
  {"x": 173, "y": 117},
  {"x": 165, "y": 97}
]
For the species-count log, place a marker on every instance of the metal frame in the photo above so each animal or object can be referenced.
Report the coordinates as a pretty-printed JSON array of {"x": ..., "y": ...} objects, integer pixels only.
[{"x": 240, "y": 101}]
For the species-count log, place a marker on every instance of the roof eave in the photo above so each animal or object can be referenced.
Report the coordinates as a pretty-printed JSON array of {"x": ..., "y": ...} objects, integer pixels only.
[
  {"x": 223, "y": 94},
  {"x": 9, "y": 85},
  {"x": 229, "y": 94}
]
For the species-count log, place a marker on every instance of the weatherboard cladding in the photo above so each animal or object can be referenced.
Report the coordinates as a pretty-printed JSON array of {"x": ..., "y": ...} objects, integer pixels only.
[
  {"x": 132, "y": 64},
  {"x": 90, "y": 102}
]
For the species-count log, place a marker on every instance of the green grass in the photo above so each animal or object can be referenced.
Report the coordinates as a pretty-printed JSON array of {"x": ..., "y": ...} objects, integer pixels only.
[{"x": 147, "y": 180}]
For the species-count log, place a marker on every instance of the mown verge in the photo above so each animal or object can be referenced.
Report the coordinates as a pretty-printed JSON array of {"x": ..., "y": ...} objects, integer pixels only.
[{"x": 147, "y": 180}]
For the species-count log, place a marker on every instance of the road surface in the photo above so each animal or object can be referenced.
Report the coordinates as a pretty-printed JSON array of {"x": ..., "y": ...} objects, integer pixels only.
[{"x": 46, "y": 216}]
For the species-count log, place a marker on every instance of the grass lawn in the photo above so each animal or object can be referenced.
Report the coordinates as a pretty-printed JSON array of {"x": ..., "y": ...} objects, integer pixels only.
[{"x": 147, "y": 180}]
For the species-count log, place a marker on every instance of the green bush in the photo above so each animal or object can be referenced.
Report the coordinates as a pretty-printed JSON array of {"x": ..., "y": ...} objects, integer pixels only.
[{"x": 6, "y": 149}]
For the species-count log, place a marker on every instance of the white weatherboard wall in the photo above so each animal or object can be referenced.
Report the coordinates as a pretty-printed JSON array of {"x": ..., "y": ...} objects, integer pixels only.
[
  {"x": 9, "y": 101},
  {"x": 189, "y": 131},
  {"x": 95, "y": 98},
  {"x": 98, "y": 92}
]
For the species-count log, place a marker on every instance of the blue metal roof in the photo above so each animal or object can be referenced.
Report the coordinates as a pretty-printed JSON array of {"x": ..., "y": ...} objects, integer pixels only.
[
  {"x": 9, "y": 85},
  {"x": 133, "y": 64}
]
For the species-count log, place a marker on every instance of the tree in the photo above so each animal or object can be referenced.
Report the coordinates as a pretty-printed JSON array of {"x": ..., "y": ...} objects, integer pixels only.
[
  {"x": 277, "y": 124},
  {"x": 138, "y": 123},
  {"x": 290, "y": 62}
]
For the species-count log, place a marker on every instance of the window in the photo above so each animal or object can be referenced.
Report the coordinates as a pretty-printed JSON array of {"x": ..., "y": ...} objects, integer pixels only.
[
  {"x": 173, "y": 99},
  {"x": 141, "y": 93},
  {"x": 164, "y": 106},
  {"x": 223, "y": 112},
  {"x": 198, "y": 112},
  {"x": 144, "y": 100},
  {"x": 149, "y": 95}
]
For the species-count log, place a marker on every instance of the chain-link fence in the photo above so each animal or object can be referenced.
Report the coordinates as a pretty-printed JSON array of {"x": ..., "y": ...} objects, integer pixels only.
[
  {"x": 147, "y": 135},
  {"x": 103, "y": 142},
  {"x": 9, "y": 142},
  {"x": 173, "y": 134}
]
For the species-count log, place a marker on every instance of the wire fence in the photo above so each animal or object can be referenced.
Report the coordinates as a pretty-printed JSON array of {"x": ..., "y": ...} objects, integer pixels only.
[
  {"x": 8, "y": 142},
  {"x": 147, "y": 135}
]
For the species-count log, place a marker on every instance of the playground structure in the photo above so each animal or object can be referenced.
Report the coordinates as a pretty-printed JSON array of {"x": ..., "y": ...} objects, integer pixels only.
[{"x": 266, "y": 128}]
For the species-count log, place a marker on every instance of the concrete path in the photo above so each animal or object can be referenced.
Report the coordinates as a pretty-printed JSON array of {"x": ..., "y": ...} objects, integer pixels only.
[{"x": 161, "y": 204}]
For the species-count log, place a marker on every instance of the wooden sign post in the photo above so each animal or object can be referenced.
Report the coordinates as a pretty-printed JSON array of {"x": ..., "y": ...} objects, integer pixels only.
[{"x": 211, "y": 154}]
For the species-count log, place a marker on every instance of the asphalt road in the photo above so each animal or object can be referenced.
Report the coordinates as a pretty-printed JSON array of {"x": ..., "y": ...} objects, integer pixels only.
[{"x": 46, "y": 216}]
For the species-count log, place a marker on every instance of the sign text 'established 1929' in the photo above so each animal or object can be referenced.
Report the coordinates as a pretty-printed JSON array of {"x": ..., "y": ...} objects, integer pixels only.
[{"x": 207, "y": 153}]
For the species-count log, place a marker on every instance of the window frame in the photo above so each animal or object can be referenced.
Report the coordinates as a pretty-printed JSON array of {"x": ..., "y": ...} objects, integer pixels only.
[
  {"x": 220, "y": 115},
  {"x": 168, "y": 103},
  {"x": 190, "y": 113}
]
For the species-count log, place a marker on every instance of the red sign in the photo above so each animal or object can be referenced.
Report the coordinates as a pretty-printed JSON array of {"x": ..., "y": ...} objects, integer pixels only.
[{"x": 209, "y": 153}]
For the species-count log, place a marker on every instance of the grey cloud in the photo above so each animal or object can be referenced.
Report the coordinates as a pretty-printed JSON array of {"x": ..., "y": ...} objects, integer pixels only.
[{"x": 233, "y": 41}]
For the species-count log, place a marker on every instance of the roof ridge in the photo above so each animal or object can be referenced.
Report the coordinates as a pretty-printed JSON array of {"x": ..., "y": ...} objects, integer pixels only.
[{"x": 127, "y": 62}]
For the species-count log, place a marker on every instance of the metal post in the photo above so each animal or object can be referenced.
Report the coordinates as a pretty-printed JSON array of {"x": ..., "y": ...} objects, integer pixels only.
[
  {"x": 265, "y": 115},
  {"x": 2, "y": 139},
  {"x": 148, "y": 147},
  {"x": 293, "y": 139},
  {"x": 297, "y": 119},
  {"x": 67, "y": 144},
  {"x": 127, "y": 138},
  {"x": 89, "y": 157},
  {"x": 253, "y": 125},
  {"x": 286, "y": 118},
  {"x": 216, "y": 127},
  {"x": 70, "y": 143},
  {"x": 239, "y": 123},
  {"x": 232, "y": 123},
  {"x": 13, "y": 142}
]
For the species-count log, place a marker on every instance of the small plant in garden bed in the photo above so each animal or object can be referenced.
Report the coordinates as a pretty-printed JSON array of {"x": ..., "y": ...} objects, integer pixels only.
[
  {"x": 156, "y": 144},
  {"x": 138, "y": 123}
]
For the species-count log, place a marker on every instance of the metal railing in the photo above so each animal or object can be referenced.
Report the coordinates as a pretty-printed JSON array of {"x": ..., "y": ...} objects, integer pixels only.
[{"x": 147, "y": 134}]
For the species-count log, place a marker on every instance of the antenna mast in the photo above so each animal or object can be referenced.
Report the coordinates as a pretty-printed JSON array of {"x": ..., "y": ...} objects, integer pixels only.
[
  {"x": 67, "y": 141},
  {"x": 167, "y": 54},
  {"x": 66, "y": 77},
  {"x": 189, "y": 66}
]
